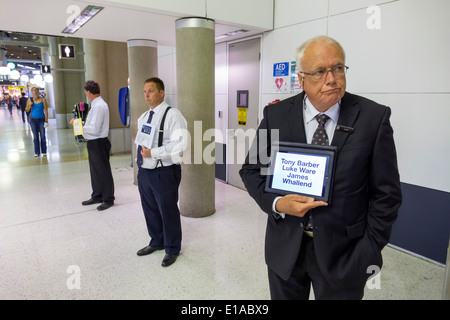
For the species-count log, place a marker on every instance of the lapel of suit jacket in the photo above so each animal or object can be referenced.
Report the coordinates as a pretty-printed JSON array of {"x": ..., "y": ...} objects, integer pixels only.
[
  {"x": 347, "y": 117},
  {"x": 296, "y": 123}
]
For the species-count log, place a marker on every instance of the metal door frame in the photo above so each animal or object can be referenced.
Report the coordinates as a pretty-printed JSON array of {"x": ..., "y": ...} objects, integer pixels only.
[{"x": 228, "y": 43}]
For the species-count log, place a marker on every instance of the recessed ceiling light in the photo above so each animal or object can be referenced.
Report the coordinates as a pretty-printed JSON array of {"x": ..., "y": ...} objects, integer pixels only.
[
  {"x": 88, "y": 13},
  {"x": 232, "y": 33}
]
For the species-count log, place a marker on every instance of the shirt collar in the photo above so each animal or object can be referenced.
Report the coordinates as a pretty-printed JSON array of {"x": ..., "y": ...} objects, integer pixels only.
[
  {"x": 161, "y": 106},
  {"x": 99, "y": 98},
  {"x": 310, "y": 112}
]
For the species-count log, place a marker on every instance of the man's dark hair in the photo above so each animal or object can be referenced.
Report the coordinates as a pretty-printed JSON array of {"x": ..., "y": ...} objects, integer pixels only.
[
  {"x": 159, "y": 83},
  {"x": 92, "y": 87}
]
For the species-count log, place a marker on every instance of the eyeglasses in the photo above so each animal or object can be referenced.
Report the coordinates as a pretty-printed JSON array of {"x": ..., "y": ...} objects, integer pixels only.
[{"x": 337, "y": 71}]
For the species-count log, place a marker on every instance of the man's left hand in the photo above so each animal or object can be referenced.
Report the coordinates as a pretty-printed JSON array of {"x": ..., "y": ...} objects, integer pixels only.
[{"x": 146, "y": 152}]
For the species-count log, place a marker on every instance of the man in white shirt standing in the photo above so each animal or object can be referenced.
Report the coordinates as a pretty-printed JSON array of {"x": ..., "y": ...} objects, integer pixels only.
[
  {"x": 158, "y": 158},
  {"x": 95, "y": 131}
]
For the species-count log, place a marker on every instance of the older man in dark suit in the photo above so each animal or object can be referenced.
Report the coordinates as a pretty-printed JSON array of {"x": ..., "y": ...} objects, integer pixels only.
[{"x": 334, "y": 246}]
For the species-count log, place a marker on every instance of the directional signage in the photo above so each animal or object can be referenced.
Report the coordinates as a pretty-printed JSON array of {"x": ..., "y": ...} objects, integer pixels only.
[{"x": 66, "y": 51}]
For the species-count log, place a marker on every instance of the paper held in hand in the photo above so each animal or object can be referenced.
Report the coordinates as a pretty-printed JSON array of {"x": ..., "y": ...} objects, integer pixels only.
[
  {"x": 145, "y": 136},
  {"x": 77, "y": 127}
]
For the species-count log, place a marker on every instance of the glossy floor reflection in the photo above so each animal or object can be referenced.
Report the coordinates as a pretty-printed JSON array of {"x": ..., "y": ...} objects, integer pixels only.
[{"x": 51, "y": 247}]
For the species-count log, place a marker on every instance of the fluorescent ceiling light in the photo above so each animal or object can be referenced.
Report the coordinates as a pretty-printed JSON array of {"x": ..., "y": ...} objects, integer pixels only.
[
  {"x": 221, "y": 36},
  {"x": 25, "y": 67},
  {"x": 232, "y": 33},
  {"x": 88, "y": 13}
]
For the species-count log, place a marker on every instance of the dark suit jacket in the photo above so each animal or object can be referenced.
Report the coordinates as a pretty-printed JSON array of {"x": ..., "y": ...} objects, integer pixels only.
[{"x": 349, "y": 233}]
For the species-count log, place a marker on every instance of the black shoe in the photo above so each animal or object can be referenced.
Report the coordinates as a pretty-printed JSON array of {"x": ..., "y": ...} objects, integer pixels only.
[
  {"x": 105, "y": 205},
  {"x": 91, "y": 201},
  {"x": 169, "y": 259},
  {"x": 147, "y": 250}
]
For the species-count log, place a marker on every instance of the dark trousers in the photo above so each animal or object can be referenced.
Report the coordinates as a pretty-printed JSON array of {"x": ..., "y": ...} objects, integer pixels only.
[
  {"x": 39, "y": 139},
  {"x": 159, "y": 196},
  {"x": 101, "y": 176},
  {"x": 306, "y": 271},
  {"x": 23, "y": 114}
]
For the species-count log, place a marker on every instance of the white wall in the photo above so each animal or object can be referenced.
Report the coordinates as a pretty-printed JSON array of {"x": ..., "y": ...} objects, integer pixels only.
[
  {"x": 167, "y": 73},
  {"x": 221, "y": 74},
  {"x": 404, "y": 65}
]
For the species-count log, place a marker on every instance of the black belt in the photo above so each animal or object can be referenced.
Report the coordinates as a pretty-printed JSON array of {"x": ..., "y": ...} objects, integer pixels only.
[
  {"x": 106, "y": 138},
  {"x": 163, "y": 167}
]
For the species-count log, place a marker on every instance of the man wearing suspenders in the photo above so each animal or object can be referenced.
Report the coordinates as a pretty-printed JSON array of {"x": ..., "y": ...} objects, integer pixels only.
[{"x": 161, "y": 140}]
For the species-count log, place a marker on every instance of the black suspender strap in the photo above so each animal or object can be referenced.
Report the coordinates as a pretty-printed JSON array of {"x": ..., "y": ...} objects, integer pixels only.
[
  {"x": 160, "y": 137},
  {"x": 161, "y": 128}
]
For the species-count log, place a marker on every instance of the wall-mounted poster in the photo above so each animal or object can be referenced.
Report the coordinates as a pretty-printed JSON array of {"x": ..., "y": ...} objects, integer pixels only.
[
  {"x": 295, "y": 82},
  {"x": 285, "y": 78},
  {"x": 281, "y": 77}
]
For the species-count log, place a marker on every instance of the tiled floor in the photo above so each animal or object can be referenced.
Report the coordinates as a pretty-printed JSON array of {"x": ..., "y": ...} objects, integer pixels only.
[{"x": 52, "y": 247}]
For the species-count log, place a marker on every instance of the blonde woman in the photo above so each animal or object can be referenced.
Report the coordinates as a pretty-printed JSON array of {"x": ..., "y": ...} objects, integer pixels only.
[{"x": 38, "y": 121}]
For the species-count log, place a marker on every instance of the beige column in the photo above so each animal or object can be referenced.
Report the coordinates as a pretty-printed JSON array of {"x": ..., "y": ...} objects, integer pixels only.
[
  {"x": 59, "y": 94},
  {"x": 142, "y": 65},
  {"x": 68, "y": 76},
  {"x": 46, "y": 60},
  {"x": 195, "y": 50},
  {"x": 107, "y": 63},
  {"x": 95, "y": 61}
]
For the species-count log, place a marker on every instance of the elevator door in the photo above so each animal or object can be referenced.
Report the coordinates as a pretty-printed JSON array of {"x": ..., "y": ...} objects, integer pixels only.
[{"x": 243, "y": 76}]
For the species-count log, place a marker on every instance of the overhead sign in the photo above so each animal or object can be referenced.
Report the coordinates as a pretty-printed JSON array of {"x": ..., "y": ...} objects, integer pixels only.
[
  {"x": 66, "y": 51},
  {"x": 45, "y": 69}
]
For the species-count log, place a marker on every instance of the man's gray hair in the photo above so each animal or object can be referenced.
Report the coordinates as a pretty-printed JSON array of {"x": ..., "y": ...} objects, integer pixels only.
[{"x": 301, "y": 50}]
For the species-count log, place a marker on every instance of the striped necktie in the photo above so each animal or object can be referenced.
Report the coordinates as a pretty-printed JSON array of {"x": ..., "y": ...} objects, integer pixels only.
[
  {"x": 140, "y": 160},
  {"x": 320, "y": 137}
]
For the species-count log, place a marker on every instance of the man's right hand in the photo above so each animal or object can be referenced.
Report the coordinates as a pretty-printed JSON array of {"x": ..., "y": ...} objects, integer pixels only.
[{"x": 297, "y": 205}]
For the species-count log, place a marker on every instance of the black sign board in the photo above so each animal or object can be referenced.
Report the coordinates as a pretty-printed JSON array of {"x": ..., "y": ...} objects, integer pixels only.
[
  {"x": 45, "y": 69},
  {"x": 66, "y": 51}
]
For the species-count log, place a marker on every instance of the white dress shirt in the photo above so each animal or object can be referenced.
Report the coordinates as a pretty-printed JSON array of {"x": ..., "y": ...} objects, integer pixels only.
[
  {"x": 97, "y": 121},
  {"x": 311, "y": 124},
  {"x": 174, "y": 137}
]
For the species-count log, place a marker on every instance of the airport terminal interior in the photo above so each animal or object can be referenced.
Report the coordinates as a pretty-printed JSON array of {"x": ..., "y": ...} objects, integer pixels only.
[{"x": 52, "y": 247}]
